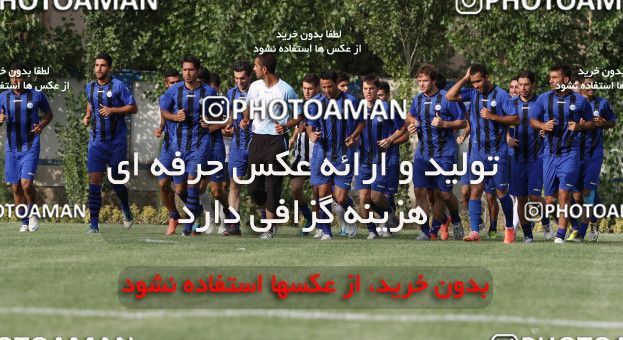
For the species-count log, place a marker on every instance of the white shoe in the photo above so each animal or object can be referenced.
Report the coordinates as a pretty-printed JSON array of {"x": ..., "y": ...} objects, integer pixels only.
[
  {"x": 267, "y": 235},
  {"x": 33, "y": 223},
  {"x": 221, "y": 228},
  {"x": 319, "y": 233},
  {"x": 423, "y": 237},
  {"x": 528, "y": 240},
  {"x": 385, "y": 233},
  {"x": 593, "y": 235},
  {"x": 127, "y": 223},
  {"x": 326, "y": 237},
  {"x": 23, "y": 228},
  {"x": 547, "y": 232},
  {"x": 351, "y": 230},
  {"x": 210, "y": 229},
  {"x": 559, "y": 240},
  {"x": 372, "y": 235}
]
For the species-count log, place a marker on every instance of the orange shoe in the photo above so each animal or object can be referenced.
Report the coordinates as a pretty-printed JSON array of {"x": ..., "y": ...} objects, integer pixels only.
[
  {"x": 509, "y": 235},
  {"x": 472, "y": 237},
  {"x": 171, "y": 227},
  {"x": 433, "y": 237}
]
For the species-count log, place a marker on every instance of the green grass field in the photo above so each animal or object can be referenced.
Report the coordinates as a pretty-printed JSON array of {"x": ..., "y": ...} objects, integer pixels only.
[{"x": 61, "y": 282}]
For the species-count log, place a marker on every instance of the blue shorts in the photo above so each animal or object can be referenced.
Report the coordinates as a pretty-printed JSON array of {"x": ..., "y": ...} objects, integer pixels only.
[
  {"x": 318, "y": 178},
  {"x": 441, "y": 182},
  {"x": 217, "y": 154},
  {"x": 498, "y": 181},
  {"x": 590, "y": 169},
  {"x": 526, "y": 178},
  {"x": 166, "y": 158},
  {"x": 239, "y": 159},
  {"x": 365, "y": 173},
  {"x": 560, "y": 172},
  {"x": 21, "y": 165},
  {"x": 393, "y": 173},
  {"x": 101, "y": 155}
]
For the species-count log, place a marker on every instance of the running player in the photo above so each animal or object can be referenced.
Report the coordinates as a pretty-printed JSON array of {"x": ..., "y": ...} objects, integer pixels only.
[
  {"x": 434, "y": 119},
  {"x": 561, "y": 114},
  {"x": 19, "y": 108},
  {"x": 492, "y": 112},
  {"x": 109, "y": 101},
  {"x": 591, "y": 154}
]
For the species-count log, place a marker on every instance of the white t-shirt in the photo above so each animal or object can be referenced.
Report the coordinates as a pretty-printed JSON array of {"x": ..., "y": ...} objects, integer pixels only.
[{"x": 259, "y": 93}]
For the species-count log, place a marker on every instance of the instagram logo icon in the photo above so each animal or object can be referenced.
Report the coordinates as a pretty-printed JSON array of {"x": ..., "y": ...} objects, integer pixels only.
[{"x": 469, "y": 7}]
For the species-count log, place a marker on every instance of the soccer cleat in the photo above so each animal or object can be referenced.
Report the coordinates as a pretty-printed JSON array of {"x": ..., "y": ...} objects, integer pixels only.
[
  {"x": 92, "y": 230},
  {"x": 372, "y": 235},
  {"x": 326, "y": 237},
  {"x": 386, "y": 233},
  {"x": 351, "y": 229},
  {"x": 559, "y": 240},
  {"x": 492, "y": 235},
  {"x": 528, "y": 239},
  {"x": 307, "y": 225},
  {"x": 222, "y": 229},
  {"x": 232, "y": 229},
  {"x": 472, "y": 237},
  {"x": 423, "y": 237},
  {"x": 267, "y": 235},
  {"x": 593, "y": 234},
  {"x": 23, "y": 228},
  {"x": 575, "y": 237},
  {"x": 128, "y": 220},
  {"x": 444, "y": 232},
  {"x": 343, "y": 231},
  {"x": 547, "y": 232},
  {"x": 171, "y": 226},
  {"x": 509, "y": 235},
  {"x": 319, "y": 233},
  {"x": 33, "y": 223},
  {"x": 186, "y": 233},
  {"x": 457, "y": 228},
  {"x": 433, "y": 237}
]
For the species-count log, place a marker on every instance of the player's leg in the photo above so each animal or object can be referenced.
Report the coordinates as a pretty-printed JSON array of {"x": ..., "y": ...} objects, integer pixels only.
[
  {"x": 116, "y": 156},
  {"x": 519, "y": 188},
  {"x": 12, "y": 173},
  {"x": 297, "y": 185},
  {"x": 501, "y": 182},
  {"x": 444, "y": 191},
  {"x": 365, "y": 206},
  {"x": 493, "y": 211}
]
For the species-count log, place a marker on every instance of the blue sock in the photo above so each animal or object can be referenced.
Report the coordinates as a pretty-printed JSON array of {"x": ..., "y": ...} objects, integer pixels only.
[
  {"x": 306, "y": 211},
  {"x": 326, "y": 227},
  {"x": 371, "y": 228},
  {"x": 561, "y": 233},
  {"x": 545, "y": 220},
  {"x": 527, "y": 230},
  {"x": 493, "y": 225},
  {"x": 583, "y": 229},
  {"x": 575, "y": 224},
  {"x": 174, "y": 215},
  {"x": 347, "y": 203},
  {"x": 392, "y": 202},
  {"x": 192, "y": 203},
  {"x": 426, "y": 227},
  {"x": 95, "y": 203},
  {"x": 473, "y": 207},
  {"x": 183, "y": 196},
  {"x": 455, "y": 217},
  {"x": 26, "y": 215},
  {"x": 435, "y": 227},
  {"x": 263, "y": 213},
  {"x": 593, "y": 219},
  {"x": 122, "y": 192},
  {"x": 507, "y": 207}
]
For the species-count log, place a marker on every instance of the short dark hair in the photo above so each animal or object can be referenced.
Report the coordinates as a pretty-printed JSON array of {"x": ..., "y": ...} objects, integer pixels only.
[
  {"x": 515, "y": 78},
  {"x": 371, "y": 78},
  {"x": 203, "y": 74},
  {"x": 328, "y": 75},
  {"x": 565, "y": 70},
  {"x": 527, "y": 74},
  {"x": 383, "y": 85},
  {"x": 269, "y": 61},
  {"x": 193, "y": 60},
  {"x": 104, "y": 56},
  {"x": 312, "y": 78},
  {"x": 215, "y": 79},
  {"x": 171, "y": 73},
  {"x": 18, "y": 66},
  {"x": 242, "y": 66},
  {"x": 428, "y": 70},
  {"x": 478, "y": 68},
  {"x": 342, "y": 76}
]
